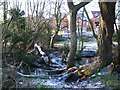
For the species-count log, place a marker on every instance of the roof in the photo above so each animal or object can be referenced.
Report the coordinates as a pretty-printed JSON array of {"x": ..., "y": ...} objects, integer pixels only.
[{"x": 95, "y": 14}]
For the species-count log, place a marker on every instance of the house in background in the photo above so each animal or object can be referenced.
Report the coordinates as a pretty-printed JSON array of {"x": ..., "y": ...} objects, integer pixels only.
[
  {"x": 65, "y": 24},
  {"x": 95, "y": 19},
  {"x": 81, "y": 22}
]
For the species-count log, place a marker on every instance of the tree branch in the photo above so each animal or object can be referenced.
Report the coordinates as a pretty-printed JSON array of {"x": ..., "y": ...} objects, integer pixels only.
[
  {"x": 82, "y": 4},
  {"x": 70, "y": 4},
  {"x": 91, "y": 25}
]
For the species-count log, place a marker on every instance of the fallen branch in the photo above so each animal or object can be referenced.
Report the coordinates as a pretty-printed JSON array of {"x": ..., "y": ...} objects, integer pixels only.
[{"x": 31, "y": 76}]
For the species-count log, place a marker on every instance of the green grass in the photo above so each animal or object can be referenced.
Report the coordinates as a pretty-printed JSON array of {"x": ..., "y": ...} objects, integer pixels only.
[
  {"x": 90, "y": 43},
  {"x": 108, "y": 80},
  {"x": 68, "y": 42},
  {"x": 111, "y": 81},
  {"x": 44, "y": 87}
]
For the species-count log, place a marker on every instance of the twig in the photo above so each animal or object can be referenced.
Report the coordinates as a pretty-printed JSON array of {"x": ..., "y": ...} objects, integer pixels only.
[
  {"x": 20, "y": 65},
  {"x": 28, "y": 67}
]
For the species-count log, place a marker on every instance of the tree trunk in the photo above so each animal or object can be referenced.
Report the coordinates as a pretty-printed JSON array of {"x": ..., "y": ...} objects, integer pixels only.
[
  {"x": 104, "y": 41},
  {"x": 73, "y": 45},
  {"x": 116, "y": 62},
  {"x": 53, "y": 39},
  {"x": 116, "y": 49},
  {"x": 106, "y": 31},
  {"x": 82, "y": 29}
]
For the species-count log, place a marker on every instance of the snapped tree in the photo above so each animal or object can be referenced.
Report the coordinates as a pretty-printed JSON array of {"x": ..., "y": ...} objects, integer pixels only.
[{"x": 104, "y": 41}]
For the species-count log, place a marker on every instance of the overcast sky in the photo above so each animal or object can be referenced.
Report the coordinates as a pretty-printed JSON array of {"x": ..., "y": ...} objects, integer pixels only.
[{"x": 92, "y": 6}]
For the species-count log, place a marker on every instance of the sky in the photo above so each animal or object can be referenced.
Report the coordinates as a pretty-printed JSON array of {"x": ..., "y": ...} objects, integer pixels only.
[{"x": 92, "y": 6}]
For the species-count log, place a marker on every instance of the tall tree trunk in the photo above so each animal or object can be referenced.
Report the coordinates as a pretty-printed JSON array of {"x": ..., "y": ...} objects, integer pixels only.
[
  {"x": 106, "y": 31},
  {"x": 4, "y": 28},
  {"x": 116, "y": 66},
  {"x": 82, "y": 29},
  {"x": 116, "y": 62},
  {"x": 73, "y": 46},
  {"x": 73, "y": 11}
]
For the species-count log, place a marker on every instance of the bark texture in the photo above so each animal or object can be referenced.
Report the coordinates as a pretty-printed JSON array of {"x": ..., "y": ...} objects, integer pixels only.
[
  {"x": 106, "y": 32},
  {"x": 105, "y": 36}
]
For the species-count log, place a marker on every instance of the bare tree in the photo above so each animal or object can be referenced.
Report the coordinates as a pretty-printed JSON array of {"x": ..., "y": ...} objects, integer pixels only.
[
  {"x": 73, "y": 11},
  {"x": 37, "y": 22},
  {"x": 59, "y": 17},
  {"x": 21, "y": 38}
]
